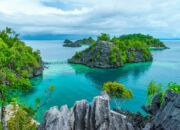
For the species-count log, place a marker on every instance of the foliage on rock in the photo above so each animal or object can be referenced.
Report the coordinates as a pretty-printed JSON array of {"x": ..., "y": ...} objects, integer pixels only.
[{"x": 117, "y": 90}]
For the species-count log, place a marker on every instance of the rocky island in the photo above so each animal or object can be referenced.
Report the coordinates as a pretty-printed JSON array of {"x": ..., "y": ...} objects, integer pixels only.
[
  {"x": 79, "y": 43},
  {"x": 115, "y": 52},
  {"x": 69, "y": 43}
]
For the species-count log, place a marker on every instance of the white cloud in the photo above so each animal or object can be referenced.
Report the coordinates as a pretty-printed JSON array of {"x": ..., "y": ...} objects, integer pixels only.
[{"x": 160, "y": 18}]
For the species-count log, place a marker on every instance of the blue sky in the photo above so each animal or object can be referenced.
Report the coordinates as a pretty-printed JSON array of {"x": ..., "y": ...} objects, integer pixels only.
[{"x": 160, "y": 18}]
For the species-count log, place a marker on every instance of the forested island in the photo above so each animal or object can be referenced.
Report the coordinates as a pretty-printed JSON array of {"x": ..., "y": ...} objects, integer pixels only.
[
  {"x": 78, "y": 43},
  {"x": 18, "y": 64},
  {"x": 113, "y": 52}
]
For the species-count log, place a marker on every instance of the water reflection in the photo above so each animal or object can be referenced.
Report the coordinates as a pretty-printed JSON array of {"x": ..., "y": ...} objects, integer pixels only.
[
  {"x": 99, "y": 76},
  {"x": 37, "y": 80}
]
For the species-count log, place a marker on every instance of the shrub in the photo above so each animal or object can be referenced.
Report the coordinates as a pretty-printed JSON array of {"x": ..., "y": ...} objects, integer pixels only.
[
  {"x": 104, "y": 37},
  {"x": 78, "y": 54},
  {"x": 117, "y": 90},
  {"x": 152, "y": 90},
  {"x": 174, "y": 87}
]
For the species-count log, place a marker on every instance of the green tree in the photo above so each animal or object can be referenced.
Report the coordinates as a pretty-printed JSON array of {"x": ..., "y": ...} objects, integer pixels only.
[
  {"x": 103, "y": 37},
  {"x": 21, "y": 120},
  {"x": 152, "y": 90},
  {"x": 117, "y": 91},
  {"x": 18, "y": 63}
]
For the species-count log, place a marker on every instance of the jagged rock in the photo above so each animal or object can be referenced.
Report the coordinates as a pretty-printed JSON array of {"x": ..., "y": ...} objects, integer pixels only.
[
  {"x": 168, "y": 116},
  {"x": 155, "y": 105},
  {"x": 98, "y": 116},
  {"x": 83, "y": 116},
  {"x": 96, "y": 56}
]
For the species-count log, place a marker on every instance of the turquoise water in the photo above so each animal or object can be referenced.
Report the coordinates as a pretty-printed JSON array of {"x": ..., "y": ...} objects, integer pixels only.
[{"x": 76, "y": 82}]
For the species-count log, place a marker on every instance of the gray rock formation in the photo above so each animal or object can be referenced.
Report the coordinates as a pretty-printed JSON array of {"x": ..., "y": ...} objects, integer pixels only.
[
  {"x": 167, "y": 117},
  {"x": 99, "y": 116},
  {"x": 96, "y": 56},
  {"x": 83, "y": 116}
]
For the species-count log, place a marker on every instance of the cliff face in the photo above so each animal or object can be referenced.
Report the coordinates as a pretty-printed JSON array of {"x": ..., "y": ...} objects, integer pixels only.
[
  {"x": 166, "y": 117},
  {"x": 97, "y": 56},
  {"x": 83, "y": 116},
  {"x": 106, "y": 54}
]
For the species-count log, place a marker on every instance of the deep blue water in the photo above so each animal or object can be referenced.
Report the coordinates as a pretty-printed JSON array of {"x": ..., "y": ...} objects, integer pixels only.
[{"x": 76, "y": 82}]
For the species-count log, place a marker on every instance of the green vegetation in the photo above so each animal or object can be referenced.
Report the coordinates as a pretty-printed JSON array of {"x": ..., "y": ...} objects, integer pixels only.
[
  {"x": 117, "y": 90},
  {"x": 103, "y": 37},
  {"x": 78, "y": 43},
  {"x": 21, "y": 119},
  {"x": 131, "y": 49},
  {"x": 131, "y": 45},
  {"x": 118, "y": 50},
  {"x": 147, "y": 39},
  {"x": 154, "y": 89},
  {"x": 67, "y": 41},
  {"x": 114, "y": 51},
  {"x": 18, "y": 63},
  {"x": 16, "y": 56},
  {"x": 174, "y": 87},
  {"x": 78, "y": 54},
  {"x": 88, "y": 40},
  {"x": 124, "y": 50}
]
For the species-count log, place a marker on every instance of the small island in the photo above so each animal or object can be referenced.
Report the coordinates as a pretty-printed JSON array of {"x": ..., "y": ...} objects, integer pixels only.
[
  {"x": 114, "y": 52},
  {"x": 79, "y": 43},
  {"x": 69, "y": 43}
]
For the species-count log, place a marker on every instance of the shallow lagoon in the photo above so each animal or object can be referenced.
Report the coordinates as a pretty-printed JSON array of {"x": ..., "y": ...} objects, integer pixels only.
[{"x": 76, "y": 82}]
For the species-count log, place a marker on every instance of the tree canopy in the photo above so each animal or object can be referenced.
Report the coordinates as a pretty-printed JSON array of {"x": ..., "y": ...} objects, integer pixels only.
[
  {"x": 18, "y": 63},
  {"x": 117, "y": 90}
]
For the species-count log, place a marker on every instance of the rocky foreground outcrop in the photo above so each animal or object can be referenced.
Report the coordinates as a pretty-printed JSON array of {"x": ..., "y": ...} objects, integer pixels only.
[
  {"x": 83, "y": 116},
  {"x": 167, "y": 115},
  {"x": 99, "y": 116}
]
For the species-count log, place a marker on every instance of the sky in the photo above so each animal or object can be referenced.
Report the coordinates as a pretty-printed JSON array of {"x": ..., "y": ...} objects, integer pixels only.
[{"x": 160, "y": 18}]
